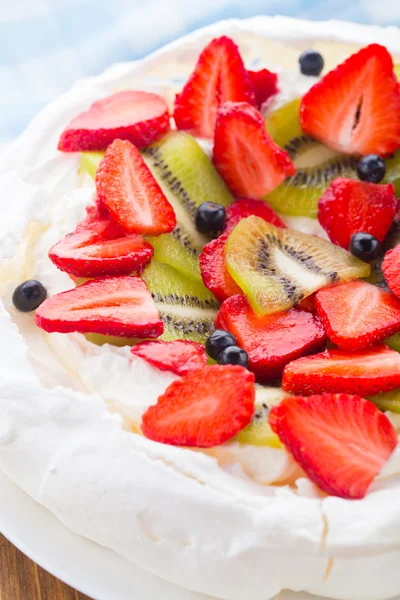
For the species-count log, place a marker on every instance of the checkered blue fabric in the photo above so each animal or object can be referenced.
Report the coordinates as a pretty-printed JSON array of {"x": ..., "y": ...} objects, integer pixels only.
[{"x": 45, "y": 45}]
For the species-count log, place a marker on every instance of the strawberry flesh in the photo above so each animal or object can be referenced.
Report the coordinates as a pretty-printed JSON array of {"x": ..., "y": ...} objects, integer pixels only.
[
  {"x": 118, "y": 306},
  {"x": 245, "y": 207},
  {"x": 179, "y": 356},
  {"x": 246, "y": 157},
  {"x": 357, "y": 314},
  {"x": 128, "y": 190},
  {"x": 341, "y": 441},
  {"x": 391, "y": 270},
  {"x": 214, "y": 272},
  {"x": 204, "y": 409},
  {"x": 265, "y": 85},
  {"x": 140, "y": 117}
]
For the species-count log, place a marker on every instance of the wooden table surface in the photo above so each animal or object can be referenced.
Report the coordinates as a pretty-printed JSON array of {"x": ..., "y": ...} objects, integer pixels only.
[{"x": 22, "y": 579}]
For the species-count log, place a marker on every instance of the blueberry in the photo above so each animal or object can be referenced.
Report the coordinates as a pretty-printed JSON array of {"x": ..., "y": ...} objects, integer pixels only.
[
  {"x": 218, "y": 341},
  {"x": 210, "y": 217},
  {"x": 29, "y": 295},
  {"x": 311, "y": 63},
  {"x": 371, "y": 168},
  {"x": 365, "y": 246},
  {"x": 233, "y": 355}
]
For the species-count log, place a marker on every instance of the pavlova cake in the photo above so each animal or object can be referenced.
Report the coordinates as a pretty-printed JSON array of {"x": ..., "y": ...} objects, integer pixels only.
[{"x": 200, "y": 316}]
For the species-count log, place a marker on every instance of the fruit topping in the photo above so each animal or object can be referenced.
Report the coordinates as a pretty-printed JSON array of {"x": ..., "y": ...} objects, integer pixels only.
[
  {"x": 99, "y": 247},
  {"x": 311, "y": 63},
  {"x": 340, "y": 441},
  {"x": 258, "y": 432},
  {"x": 204, "y": 409},
  {"x": 120, "y": 306},
  {"x": 218, "y": 341},
  {"x": 355, "y": 108},
  {"x": 265, "y": 85},
  {"x": 349, "y": 207},
  {"x": 130, "y": 193},
  {"x": 219, "y": 75},
  {"x": 210, "y": 217},
  {"x": 214, "y": 272},
  {"x": 179, "y": 356},
  {"x": 29, "y": 295},
  {"x": 357, "y": 314},
  {"x": 371, "y": 168},
  {"x": 391, "y": 269},
  {"x": 250, "y": 163},
  {"x": 276, "y": 268},
  {"x": 245, "y": 207},
  {"x": 366, "y": 372},
  {"x": 271, "y": 342},
  {"x": 233, "y": 355},
  {"x": 365, "y": 246},
  {"x": 387, "y": 401},
  {"x": 140, "y": 117}
]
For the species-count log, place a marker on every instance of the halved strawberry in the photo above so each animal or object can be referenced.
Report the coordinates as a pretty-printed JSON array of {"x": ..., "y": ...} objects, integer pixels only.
[
  {"x": 367, "y": 372},
  {"x": 355, "y": 108},
  {"x": 219, "y": 75},
  {"x": 130, "y": 193},
  {"x": 179, "y": 356},
  {"x": 348, "y": 207},
  {"x": 245, "y": 207},
  {"x": 340, "y": 441},
  {"x": 273, "y": 341},
  {"x": 213, "y": 269},
  {"x": 265, "y": 85},
  {"x": 119, "y": 306},
  {"x": 251, "y": 164},
  {"x": 357, "y": 314},
  {"x": 140, "y": 117},
  {"x": 391, "y": 269},
  {"x": 99, "y": 247},
  {"x": 308, "y": 304},
  {"x": 204, "y": 409}
]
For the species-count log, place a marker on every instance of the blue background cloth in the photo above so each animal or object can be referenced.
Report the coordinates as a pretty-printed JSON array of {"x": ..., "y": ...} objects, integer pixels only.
[{"x": 45, "y": 45}]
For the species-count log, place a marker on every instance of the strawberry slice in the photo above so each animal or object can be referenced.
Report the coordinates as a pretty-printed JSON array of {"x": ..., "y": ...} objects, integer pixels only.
[
  {"x": 340, "y": 441},
  {"x": 219, "y": 75},
  {"x": 213, "y": 269},
  {"x": 245, "y": 207},
  {"x": 119, "y": 306},
  {"x": 179, "y": 356},
  {"x": 251, "y": 164},
  {"x": 357, "y": 314},
  {"x": 271, "y": 342},
  {"x": 265, "y": 85},
  {"x": 391, "y": 270},
  {"x": 99, "y": 247},
  {"x": 355, "y": 108},
  {"x": 139, "y": 117},
  {"x": 367, "y": 372},
  {"x": 308, "y": 304},
  {"x": 127, "y": 188},
  {"x": 348, "y": 207},
  {"x": 204, "y": 409}
]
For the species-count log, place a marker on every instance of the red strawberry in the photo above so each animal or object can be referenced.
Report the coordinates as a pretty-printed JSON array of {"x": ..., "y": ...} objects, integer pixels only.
[
  {"x": 271, "y": 342},
  {"x": 348, "y": 207},
  {"x": 357, "y": 314},
  {"x": 391, "y": 270},
  {"x": 308, "y": 304},
  {"x": 367, "y": 372},
  {"x": 120, "y": 306},
  {"x": 204, "y": 409},
  {"x": 213, "y": 269},
  {"x": 265, "y": 85},
  {"x": 340, "y": 441},
  {"x": 219, "y": 75},
  {"x": 180, "y": 356},
  {"x": 251, "y": 164},
  {"x": 99, "y": 247},
  {"x": 139, "y": 117},
  {"x": 355, "y": 108},
  {"x": 130, "y": 193},
  {"x": 245, "y": 207}
]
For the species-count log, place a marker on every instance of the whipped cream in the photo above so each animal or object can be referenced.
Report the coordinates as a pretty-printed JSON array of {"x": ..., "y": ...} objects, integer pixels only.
[{"x": 208, "y": 522}]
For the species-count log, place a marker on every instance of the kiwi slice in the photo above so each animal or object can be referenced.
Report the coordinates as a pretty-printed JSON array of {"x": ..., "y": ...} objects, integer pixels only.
[
  {"x": 259, "y": 432},
  {"x": 89, "y": 161},
  {"x": 388, "y": 400},
  {"x": 393, "y": 171},
  {"x": 277, "y": 267},
  {"x": 317, "y": 165}
]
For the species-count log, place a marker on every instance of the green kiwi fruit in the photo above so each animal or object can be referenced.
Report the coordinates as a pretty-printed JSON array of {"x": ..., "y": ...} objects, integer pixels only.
[
  {"x": 278, "y": 267},
  {"x": 388, "y": 400},
  {"x": 259, "y": 432},
  {"x": 89, "y": 161},
  {"x": 393, "y": 171}
]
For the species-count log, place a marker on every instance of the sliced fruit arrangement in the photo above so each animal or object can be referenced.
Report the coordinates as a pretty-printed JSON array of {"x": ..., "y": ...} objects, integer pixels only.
[
  {"x": 99, "y": 247},
  {"x": 259, "y": 432},
  {"x": 245, "y": 207},
  {"x": 341, "y": 441},
  {"x": 273, "y": 341},
  {"x": 265, "y": 85},
  {"x": 140, "y": 117},
  {"x": 178, "y": 356},
  {"x": 214, "y": 272},
  {"x": 246, "y": 157},
  {"x": 357, "y": 314},
  {"x": 203, "y": 409},
  {"x": 391, "y": 269},
  {"x": 120, "y": 306},
  {"x": 276, "y": 268}
]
